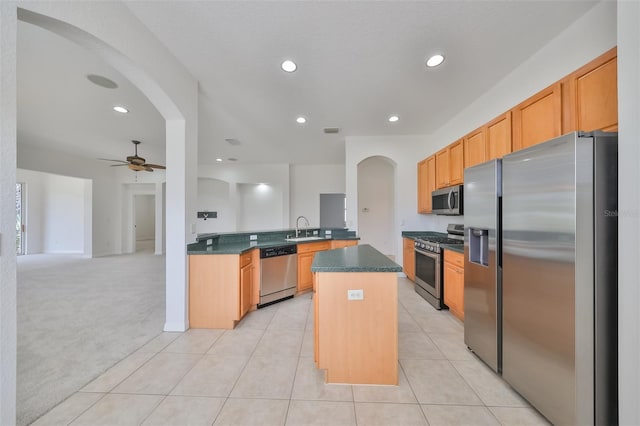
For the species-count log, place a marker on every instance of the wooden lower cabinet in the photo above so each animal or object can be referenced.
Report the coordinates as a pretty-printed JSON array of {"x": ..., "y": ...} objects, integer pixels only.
[
  {"x": 454, "y": 282},
  {"x": 246, "y": 289},
  {"x": 356, "y": 342},
  {"x": 409, "y": 258},
  {"x": 306, "y": 252},
  {"x": 336, "y": 244}
]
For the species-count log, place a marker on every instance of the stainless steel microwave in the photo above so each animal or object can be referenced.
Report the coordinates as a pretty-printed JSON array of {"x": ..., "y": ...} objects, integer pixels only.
[{"x": 447, "y": 201}]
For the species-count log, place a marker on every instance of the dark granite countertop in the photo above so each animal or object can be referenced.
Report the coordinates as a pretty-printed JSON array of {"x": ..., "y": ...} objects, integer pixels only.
[
  {"x": 459, "y": 248},
  {"x": 421, "y": 234},
  {"x": 238, "y": 247},
  {"x": 362, "y": 258}
]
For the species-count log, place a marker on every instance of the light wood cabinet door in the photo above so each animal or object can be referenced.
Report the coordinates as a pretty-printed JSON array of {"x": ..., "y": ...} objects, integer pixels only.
[
  {"x": 538, "y": 119},
  {"x": 454, "y": 283},
  {"x": 426, "y": 183},
  {"x": 498, "y": 136},
  {"x": 593, "y": 95},
  {"x": 246, "y": 289},
  {"x": 214, "y": 290},
  {"x": 474, "y": 148},
  {"x": 442, "y": 168},
  {"x": 456, "y": 163},
  {"x": 409, "y": 259},
  {"x": 336, "y": 244},
  {"x": 305, "y": 277}
]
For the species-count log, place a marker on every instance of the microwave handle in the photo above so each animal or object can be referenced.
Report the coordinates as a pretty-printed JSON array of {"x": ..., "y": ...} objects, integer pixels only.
[{"x": 449, "y": 197}]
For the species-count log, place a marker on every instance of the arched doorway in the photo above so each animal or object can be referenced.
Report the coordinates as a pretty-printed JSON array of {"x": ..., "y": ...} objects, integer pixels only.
[{"x": 376, "y": 199}]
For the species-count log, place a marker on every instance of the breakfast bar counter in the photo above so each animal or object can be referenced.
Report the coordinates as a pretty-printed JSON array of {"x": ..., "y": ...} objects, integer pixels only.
[{"x": 356, "y": 315}]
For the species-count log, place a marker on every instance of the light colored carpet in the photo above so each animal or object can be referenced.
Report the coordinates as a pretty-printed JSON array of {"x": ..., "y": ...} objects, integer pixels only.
[{"x": 77, "y": 317}]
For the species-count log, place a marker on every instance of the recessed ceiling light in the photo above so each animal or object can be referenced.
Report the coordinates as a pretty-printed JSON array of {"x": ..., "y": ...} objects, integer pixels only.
[
  {"x": 120, "y": 109},
  {"x": 301, "y": 120},
  {"x": 435, "y": 60},
  {"x": 219, "y": 160},
  {"x": 393, "y": 118},
  {"x": 289, "y": 66}
]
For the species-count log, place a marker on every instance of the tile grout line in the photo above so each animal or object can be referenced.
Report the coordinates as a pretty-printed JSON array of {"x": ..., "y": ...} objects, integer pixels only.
[
  {"x": 235, "y": 383},
  {"x": 110, "y": 391}
]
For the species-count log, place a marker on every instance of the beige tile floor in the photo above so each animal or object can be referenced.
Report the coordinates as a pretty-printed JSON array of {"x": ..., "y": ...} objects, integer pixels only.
[{"x": 262, "y": 373}]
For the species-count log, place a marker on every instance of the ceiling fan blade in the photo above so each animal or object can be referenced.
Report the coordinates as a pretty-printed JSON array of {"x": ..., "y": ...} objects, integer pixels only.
[
  {"x": 110, "y": 159},
  {"x": 118, "y": 165},
  {"x": 149, "y": 169},
  {"x": 155, "y": 166}
]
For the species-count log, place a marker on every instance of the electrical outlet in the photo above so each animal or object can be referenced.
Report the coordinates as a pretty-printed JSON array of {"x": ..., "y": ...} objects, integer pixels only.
[
  {"x": 315, "y": 232},
  {"x": 327, "y": 233},
  {"x": 355, "y": 294},
  {"x": 253, "y": 237},
  {"x": 209, "y": 241}
]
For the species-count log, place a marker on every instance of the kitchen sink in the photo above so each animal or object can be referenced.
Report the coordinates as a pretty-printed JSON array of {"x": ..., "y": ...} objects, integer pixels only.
[{"x": 304, "y": 238}]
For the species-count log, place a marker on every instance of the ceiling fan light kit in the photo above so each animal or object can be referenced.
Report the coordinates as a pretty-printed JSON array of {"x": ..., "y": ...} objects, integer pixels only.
[{"x": 135, "y": 162}]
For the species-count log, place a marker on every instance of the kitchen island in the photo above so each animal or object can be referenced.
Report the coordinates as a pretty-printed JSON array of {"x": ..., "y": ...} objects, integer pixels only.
[
  {"x": 225, "y": 271},
  {"x": 356, "y": 315}
]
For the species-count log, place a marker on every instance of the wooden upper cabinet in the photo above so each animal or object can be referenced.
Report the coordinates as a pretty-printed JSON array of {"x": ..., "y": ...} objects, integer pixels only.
[
  {"x": 456, "y": 163},
  {"x": 442, "y": 168},
  {"x": 475, "y": 151},
  {"x": 450, "y": 165},
  {"x": 539, "y": 118},
  {"x": 426, "y": 183},
  {"x": 592, "y": 95},
  {"x": 498, "y": 136}
]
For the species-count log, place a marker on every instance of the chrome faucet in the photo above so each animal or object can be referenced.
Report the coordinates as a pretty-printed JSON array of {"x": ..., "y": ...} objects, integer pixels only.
[{"x": 306, "y": 221}]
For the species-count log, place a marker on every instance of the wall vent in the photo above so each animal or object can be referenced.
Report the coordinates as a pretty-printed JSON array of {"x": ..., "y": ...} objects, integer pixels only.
[
  {"x": 331, "y": 130},
  {"x": 232, "y": 141}
]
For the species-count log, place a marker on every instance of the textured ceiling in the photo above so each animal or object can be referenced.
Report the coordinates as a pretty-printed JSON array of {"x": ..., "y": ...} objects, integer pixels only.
[{"x": 358, "y": 63}]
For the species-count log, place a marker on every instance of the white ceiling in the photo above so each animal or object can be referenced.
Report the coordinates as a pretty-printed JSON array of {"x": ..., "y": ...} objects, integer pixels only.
[{"x": 358, "y": 63}]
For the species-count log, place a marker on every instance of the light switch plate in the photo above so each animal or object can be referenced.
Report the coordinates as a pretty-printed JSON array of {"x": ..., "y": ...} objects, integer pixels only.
[
  {"x": 209, "y": 241},
  {"x": 355, "y": 294},
  {"x": 253, "y": 237}
]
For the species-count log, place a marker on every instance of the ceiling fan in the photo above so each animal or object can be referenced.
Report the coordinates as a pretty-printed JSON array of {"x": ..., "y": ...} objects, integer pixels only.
[{"x": 135, "y": 162}]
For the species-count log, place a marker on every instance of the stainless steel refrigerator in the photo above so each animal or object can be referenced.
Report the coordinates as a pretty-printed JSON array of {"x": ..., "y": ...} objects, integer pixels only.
[
  {"x": 482, "y": 262},
  {"x": 559, "y": 286}
]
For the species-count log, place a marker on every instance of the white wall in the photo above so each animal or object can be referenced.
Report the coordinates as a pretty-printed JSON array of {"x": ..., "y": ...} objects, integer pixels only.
[
  {"x": 629, "y": 207},
  {"x": 590, "y": 36},
  {"x": 63, "y": 214},
  {"x": 259, "y": 207},
  {"x": 56, "y": 213},
  {"x": 376, "y": 195},
  {"x": 307, "y": 183},
  {"x": 237, "y": 176},
  {"x": 8, "y": 117},
  {"x": 215, "y": 195}
]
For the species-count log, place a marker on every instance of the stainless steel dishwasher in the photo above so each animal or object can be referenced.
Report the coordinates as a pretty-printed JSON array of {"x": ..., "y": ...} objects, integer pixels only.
[{"x": 278, "y": 274}]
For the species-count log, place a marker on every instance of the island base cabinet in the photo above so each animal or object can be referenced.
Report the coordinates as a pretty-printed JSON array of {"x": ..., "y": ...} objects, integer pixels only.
[
  {"x": 214, "y": 291},
  {"x": 357, "y": 340}
]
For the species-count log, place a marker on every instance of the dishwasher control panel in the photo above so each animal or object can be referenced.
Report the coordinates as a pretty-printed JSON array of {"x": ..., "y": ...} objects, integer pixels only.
[{"x": 278, "y": 251}]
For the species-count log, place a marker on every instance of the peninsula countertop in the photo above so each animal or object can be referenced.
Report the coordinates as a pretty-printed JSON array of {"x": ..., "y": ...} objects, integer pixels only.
[{"x": 362, "y": 258}]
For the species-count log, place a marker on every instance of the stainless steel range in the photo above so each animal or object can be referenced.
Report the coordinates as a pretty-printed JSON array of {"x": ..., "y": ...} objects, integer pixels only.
[{"x": 428, "y": 252}]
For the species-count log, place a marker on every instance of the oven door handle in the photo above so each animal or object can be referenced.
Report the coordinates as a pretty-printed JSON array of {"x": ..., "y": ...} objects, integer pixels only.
[{"x": 428, "y": 254}]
